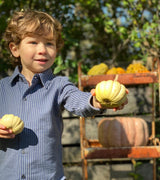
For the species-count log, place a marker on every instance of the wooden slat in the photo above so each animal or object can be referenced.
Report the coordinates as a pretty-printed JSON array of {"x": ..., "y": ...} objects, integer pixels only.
[
  {"x": 126, "y": 79},
  {"x": 123, "y": 152}
]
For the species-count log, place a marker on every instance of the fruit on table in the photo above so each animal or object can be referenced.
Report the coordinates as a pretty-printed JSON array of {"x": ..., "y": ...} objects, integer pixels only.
[
  {"x": 115, "y": 70},
  {"x": 98, "y": 69},
  {"x": 136, "y": 68},
  {"x": 110, "y": 94},
  {"x": 120, "y": 70},
  {"x": 123, "y": 132},
  {"x": 12, "y": 122},
  {"x": 112, "y": 71}
]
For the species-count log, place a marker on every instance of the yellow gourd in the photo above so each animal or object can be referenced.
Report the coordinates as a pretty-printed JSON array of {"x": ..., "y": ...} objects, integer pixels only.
[
  {"x": 12, "y": 122},
  {"x": 110, "y": 93},
  {"x": 136, "y": 68},
  {"x": 98, "y": 69}
]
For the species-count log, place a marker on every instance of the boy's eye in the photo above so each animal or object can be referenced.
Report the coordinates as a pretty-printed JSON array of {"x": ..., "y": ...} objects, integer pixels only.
[
  {"x": 50, "y": 44},
  {"x": 33, "y": 42}
]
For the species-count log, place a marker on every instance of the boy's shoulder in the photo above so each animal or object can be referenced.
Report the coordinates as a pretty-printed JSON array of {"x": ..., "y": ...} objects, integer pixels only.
[
  {"x": 5, "y": 80},
  {"x": 9, "y": 78},
  {"x": 61, "y": 80},
  {"x": 5, "y": 83}
]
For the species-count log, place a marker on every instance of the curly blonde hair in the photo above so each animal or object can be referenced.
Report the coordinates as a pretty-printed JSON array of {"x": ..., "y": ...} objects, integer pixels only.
[{"x": 30, "y": 23}]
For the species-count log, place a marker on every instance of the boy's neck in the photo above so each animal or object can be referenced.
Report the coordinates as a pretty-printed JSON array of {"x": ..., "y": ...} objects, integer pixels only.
[{"x": 28, "y": 76}]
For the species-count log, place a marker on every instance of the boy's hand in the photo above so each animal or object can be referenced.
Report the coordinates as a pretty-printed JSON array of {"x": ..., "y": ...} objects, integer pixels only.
[
  {"x": 96, "y": 104},
  {"x": 6, "y": 133}
]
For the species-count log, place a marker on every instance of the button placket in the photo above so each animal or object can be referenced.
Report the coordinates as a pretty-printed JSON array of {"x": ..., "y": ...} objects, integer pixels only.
[
  {"x": 23, "y": 176},
  {"x": 23, "y": 151},
  {"x": 25, "y": 99}
]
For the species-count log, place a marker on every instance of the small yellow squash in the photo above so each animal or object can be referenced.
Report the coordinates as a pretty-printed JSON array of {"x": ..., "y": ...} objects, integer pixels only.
[
  {"x": 99, "y": 69},
  {"x": 136, "y": 68},
  {"x": 110, "y": 93},
  {"x": 12, "y": 122}
]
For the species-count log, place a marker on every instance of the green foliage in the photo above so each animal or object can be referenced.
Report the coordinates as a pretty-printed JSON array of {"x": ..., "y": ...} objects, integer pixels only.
[
  {"x": 135, "y": 175},
  {"x": 59, "y": 65},
  {"x": 65, "y": 68}
]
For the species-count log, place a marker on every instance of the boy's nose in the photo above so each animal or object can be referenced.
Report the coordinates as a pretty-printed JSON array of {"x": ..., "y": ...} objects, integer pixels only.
[{"x": 41, "y": 49}]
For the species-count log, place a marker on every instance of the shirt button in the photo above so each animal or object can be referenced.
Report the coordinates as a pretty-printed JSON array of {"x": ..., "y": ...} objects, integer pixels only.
[
  {"x": 23, "y": 151},
  {"x": 23, "y": 176},
  {"x": 25, "y": 99}
]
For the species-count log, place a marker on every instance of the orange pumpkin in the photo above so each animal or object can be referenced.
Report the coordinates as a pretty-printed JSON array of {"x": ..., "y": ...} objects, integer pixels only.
[
  {"x": 123, "y": 132},
  {"x": 120, "y": 70},
  {"x": 112, "y": 71}
]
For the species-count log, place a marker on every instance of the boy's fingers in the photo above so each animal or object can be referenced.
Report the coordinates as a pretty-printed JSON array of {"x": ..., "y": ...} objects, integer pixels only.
[
  {"x": 5, "y": 129},
  {"x": 10, "y": 136},
  {"x": 2, "y": 126},
  {"x": 93, "y": 92},
  {"x": 6, "y": 133},
  {"x": 127, "y": 91},
  {"x": 121, "y": 107}
]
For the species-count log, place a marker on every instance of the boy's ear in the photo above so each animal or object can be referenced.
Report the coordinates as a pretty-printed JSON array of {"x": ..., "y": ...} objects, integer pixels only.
[{"x": 14, "y": 49}]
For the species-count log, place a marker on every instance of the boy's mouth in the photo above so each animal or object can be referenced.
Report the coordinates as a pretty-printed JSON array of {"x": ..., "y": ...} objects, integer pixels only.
[{"x": 42, "y": 61}]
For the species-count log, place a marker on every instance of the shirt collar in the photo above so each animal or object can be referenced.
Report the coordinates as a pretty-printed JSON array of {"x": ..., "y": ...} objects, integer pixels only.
[
  {"x": 16, "y": 74},
  {"x": 45, "y": 76}
]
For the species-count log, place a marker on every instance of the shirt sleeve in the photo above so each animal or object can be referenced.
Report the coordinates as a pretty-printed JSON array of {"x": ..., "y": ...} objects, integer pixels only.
[{"x": 76, "y": 101}]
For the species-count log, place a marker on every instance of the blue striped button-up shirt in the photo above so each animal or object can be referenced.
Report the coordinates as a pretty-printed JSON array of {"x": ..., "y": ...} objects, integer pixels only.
[{"x": 36, "y": 153}]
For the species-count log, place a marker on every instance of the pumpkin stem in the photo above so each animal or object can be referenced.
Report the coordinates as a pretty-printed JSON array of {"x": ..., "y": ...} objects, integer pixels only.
[{"x": 116, "y": 77}]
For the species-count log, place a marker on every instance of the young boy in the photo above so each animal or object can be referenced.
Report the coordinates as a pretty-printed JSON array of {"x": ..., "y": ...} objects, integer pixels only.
[{"x": 37, "y": 96}]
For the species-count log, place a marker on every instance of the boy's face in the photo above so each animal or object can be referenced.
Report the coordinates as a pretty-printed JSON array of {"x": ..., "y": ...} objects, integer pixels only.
[{"x": 37, "y": 54}]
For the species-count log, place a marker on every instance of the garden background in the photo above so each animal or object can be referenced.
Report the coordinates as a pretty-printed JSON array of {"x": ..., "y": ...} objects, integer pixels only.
[{"x": 113, "y": 32}]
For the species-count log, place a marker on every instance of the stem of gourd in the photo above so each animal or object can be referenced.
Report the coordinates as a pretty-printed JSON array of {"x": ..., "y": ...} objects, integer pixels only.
[{"x": 116, "y": 77}]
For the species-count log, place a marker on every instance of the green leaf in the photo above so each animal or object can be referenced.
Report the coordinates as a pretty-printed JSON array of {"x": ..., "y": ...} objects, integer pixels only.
[{"x": 137, "y": 44}]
